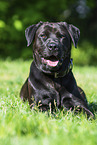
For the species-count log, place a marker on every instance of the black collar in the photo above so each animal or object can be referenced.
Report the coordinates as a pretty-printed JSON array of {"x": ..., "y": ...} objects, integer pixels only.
[{"x": 63, "y": 73}]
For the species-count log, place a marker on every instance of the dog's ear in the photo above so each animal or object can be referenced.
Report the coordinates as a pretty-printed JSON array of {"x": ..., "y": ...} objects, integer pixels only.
[
  {"x": 74, "y": 34},
  {"x": 73, "y": 31},
  {"x": 30, "y": 32}
]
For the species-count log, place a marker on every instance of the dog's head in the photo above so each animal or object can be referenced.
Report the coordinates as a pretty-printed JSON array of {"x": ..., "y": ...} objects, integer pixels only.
[{"x": 52, "y": 44}]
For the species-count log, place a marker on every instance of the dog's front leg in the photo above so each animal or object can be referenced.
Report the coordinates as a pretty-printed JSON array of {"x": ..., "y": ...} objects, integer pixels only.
[
  {"x": 24, "y": 91},
  {"x": 70, "y": 102}
]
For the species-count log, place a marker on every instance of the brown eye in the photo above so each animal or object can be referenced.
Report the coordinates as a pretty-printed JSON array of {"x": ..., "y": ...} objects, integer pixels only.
[
  {"x": 62, "y": 37},
  {"x": 44, "y": 36}
]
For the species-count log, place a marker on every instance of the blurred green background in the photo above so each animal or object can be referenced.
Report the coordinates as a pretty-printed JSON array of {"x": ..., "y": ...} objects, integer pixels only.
[{"x": 17, "y": 15}]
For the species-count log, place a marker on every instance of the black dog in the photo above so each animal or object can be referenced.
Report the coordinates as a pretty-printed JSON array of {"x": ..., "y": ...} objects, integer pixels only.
[{"x": 51, "y": 79}]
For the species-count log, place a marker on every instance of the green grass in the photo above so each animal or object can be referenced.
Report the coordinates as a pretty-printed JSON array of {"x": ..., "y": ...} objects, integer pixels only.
[{"x": 21, "y": 126}]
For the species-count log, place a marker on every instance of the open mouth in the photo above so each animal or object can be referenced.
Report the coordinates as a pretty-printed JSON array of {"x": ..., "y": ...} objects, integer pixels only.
[{"x": 51, "y": 61}]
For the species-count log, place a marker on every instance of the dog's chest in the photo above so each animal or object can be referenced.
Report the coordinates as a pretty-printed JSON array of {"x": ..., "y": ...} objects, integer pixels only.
[
  {"x": 45, "y": 88},
  {"x": 49, "y": 92}
]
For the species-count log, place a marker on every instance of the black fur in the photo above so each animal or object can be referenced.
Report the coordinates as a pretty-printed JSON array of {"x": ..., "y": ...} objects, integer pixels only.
[{"x": 52, "y": 55}]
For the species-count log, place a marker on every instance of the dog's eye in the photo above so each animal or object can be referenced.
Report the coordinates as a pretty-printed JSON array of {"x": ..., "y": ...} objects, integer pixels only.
[
  {"x": 44, "y": 36},
  {"x": 62, "y": 36}
]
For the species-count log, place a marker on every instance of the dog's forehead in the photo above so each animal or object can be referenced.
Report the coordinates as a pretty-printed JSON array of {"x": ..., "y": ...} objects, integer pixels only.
[{"x": 51, "y": 27}]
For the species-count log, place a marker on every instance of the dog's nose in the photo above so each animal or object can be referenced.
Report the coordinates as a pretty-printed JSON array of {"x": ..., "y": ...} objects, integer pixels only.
[{"x": 52, "y": 46}]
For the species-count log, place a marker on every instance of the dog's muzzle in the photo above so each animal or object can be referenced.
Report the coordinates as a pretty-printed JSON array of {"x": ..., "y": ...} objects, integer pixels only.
[{"x": 52, "y": 60}]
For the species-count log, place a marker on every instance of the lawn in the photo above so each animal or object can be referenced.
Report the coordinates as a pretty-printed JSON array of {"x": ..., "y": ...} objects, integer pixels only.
[{"x": 21, "y": 126}]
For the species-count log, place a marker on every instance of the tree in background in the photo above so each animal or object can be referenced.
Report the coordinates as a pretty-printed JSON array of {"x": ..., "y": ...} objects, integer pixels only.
[{"x": 16, "y": 15}]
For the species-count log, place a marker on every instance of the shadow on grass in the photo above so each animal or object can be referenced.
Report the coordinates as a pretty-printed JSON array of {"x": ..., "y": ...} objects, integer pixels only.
[{"x": 93, "y": 107}]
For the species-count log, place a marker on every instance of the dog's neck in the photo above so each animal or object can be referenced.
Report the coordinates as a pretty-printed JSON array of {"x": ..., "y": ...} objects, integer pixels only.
[
  {"x": 66, "y": 71},
  {"x": 62, "y": 72}
]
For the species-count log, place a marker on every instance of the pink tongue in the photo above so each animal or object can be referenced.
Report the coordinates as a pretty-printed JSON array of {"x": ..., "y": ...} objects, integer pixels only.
[{"x": 52, "y": 63}]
